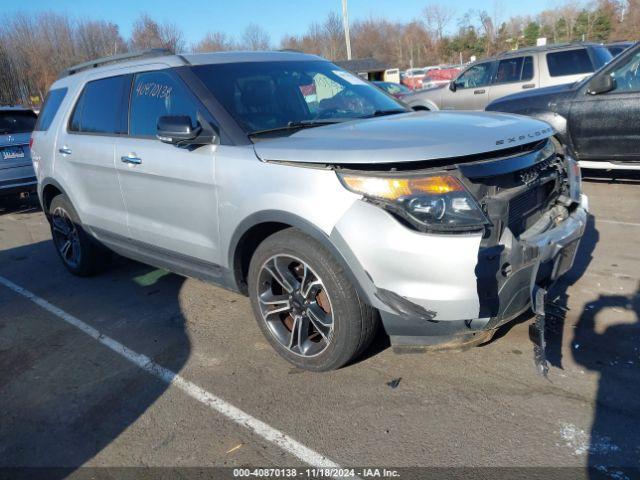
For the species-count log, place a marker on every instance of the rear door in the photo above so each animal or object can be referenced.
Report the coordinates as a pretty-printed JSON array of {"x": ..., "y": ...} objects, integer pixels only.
[
  {"x": 607, "y": 126},
  {"x": 513, "y": 75},
  {"x": 85, "y": 153},
  {"x": 471, "y": 89},
  {"x": 169, "y": 192}
]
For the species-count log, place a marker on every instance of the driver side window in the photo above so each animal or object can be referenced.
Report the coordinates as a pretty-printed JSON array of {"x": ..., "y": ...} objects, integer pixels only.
[
  {"x": 154, "y": 95},
  {"x": 627, "y": 77},
  {"x": 475, "y": 76}
]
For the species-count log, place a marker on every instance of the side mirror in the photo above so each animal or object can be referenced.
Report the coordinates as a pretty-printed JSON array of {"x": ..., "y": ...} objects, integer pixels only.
[
  {"x": 452, "y": 86},
  {"x": 601, "y": 84},
  {"x": 177, "y": 129}
]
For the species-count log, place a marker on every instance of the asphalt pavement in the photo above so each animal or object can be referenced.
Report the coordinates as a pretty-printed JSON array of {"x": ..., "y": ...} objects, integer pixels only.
[{"x": 72, "y": 399}]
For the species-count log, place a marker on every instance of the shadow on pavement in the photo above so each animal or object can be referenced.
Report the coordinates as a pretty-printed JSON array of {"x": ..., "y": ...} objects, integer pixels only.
[
  {"x": 65, "y": 397},
  {"x": 615, "y": 354}
]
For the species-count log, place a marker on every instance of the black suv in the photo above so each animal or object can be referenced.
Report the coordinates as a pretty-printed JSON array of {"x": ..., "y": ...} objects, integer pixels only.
[{"x": 598, "y": 117}]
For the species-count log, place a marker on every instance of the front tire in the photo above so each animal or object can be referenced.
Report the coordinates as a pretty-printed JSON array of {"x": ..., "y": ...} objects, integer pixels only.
[
  {"x": 305, "y": 305},
  {"x": 79, "y": 252}
]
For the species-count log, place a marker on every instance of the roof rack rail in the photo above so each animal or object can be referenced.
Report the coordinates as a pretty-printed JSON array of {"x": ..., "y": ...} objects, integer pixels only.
[
  {"x": 152, "y": 52},
  {"x": 537, "y": 48}
]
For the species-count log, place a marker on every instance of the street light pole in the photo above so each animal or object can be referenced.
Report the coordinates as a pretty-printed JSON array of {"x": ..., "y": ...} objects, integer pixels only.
[{"x": 345, "y": 22}]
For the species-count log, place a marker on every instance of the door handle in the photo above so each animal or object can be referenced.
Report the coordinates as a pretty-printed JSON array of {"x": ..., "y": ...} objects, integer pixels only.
[
  {"x": 528, "y": 85},
  {"x": 64, "y": 150},
  {"x": 131, "y": 158},
  {"x": 479, "y": 92}
]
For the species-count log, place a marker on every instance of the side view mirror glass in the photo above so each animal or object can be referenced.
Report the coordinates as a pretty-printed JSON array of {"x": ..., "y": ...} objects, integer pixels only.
[
  {"x": 601, "y": 84},
  {"x": 452, "y": 86}
]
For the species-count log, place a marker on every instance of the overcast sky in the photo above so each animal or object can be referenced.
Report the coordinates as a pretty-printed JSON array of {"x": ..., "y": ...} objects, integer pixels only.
[{"x": 277, "y": 17}]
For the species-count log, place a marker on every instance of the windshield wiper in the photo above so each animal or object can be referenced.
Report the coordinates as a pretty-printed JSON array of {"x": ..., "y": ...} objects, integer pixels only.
[
  {"x": 299, "y": 125},
  {"x": 382, "y": 113}
]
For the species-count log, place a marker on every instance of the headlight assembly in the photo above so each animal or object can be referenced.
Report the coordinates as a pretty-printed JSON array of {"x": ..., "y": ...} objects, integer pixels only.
[{"x": 428, "y": 203}]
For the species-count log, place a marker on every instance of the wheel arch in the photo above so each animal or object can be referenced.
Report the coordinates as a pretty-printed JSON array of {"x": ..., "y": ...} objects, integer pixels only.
[
  {"x": 50, "y": 189},
  {"x": 254, "y": 229}
]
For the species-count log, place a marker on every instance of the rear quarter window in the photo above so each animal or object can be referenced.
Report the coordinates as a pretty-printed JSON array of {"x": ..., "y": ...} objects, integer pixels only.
[
  {"x": 50, "y": 108},
  {"x": 569, "y": 62}
]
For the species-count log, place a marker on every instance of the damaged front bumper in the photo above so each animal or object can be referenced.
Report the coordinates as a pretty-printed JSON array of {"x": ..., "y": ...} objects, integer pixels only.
[{"x": 449, "y": 290}]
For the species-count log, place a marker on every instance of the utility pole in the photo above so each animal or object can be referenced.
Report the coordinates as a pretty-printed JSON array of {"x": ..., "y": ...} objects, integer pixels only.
[{"x": 345, "y": 22}]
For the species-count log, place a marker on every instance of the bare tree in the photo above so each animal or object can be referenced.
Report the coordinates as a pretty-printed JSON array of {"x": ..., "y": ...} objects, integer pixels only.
[
  {"x": 147, "y": 33},
  {"x": 214, "y": 42},
  {"x": 437, "y": 17},
  {"x": 255, "y": 38}
]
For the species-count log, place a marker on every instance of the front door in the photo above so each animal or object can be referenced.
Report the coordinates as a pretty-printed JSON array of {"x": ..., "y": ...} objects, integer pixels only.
[
  {"x": 169, "y": 191},
  {"x": 471, "y": 89},
  {"x": 607, "y": 126}
]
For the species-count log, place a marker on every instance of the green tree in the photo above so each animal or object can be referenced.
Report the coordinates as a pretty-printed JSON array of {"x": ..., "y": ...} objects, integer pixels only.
[{"x": 531, "y": 33}]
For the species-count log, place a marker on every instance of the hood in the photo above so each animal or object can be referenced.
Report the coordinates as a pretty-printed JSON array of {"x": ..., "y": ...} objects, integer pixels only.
[
  {"x": 406, "y": 137},
  {"x": 434, "y": 92},
  {"x": 546, "y": 94}
]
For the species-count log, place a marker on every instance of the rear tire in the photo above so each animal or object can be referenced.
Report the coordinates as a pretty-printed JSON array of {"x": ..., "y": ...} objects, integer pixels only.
[
  {"x": 80, "y": 253},
  {"x": 305, "y": 305}
]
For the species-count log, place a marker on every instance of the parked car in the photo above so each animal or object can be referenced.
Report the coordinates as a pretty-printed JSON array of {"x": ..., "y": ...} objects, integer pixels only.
[
  {"x": 440, "y": 76},
  {"x": 396, "y": 89},
  {"x": 512, "y": 72},
  {"x": 617, "y": 48},
  {"x": 598, "y": 118},
  {"x": 16, "y": 172},
  {"x": 330, "y": 215},
  {"x": 412, "y": 78}
]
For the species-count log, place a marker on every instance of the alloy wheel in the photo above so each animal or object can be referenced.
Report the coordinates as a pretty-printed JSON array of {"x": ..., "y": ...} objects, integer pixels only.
[
  {"x": 66, "y": 237},
  {"x": 295, "y": 305}
]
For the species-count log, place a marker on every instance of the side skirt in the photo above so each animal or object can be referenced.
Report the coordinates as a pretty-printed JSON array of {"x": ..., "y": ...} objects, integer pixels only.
[{"x": 159, "y": 257}]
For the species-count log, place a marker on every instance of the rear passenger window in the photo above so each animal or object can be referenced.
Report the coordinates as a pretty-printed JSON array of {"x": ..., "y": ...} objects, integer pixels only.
[
  {"x": 569, "y": 62},
  {"x": 101, "y": 107},
  {"x": 50, "y": 108},
  {"x": 515, "y": 69},
  {"x": 154, "y": 95}
]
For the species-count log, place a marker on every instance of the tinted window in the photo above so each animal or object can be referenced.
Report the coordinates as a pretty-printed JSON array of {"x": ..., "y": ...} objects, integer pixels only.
[
  {"x": 268, "y": 95},
  {"x": 17, "y": 121},
  {"x": 101, "y": 107},
  {"x": 50, "y": 108},
  {"x": 154, "y": 95},
  {"x": 527, "y": 69},
  {"x": 475, "y": 76},
  {"x": 627, "y": 76},
  {"x": 569, "y": 62}
]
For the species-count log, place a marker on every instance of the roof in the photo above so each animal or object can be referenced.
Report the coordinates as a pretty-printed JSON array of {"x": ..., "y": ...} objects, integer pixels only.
[
  {"x": 140, "y": 58},
  {"x": 546, "y": 48},
  {"x": 362, "y": 65}
]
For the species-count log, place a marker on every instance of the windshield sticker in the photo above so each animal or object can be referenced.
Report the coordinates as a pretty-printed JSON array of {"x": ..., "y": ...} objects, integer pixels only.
[
  {"x": 349, "y": 77},
  {"x": 153, "y": 90}
]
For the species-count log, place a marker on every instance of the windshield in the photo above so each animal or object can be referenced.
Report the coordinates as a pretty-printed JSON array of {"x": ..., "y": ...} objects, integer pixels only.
[
  {"x": 272, "y": 95},
  {"x": 17, "y": 122}
]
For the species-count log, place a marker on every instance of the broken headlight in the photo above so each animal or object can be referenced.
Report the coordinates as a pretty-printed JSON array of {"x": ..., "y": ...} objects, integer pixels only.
[{"x": 429, "y": 203}]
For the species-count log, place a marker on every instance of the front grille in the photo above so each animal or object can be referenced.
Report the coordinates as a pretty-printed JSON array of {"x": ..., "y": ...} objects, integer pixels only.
[{"x": 526, "y": 208}]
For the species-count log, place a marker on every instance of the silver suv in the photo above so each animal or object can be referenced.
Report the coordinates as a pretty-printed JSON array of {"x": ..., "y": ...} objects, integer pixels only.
[
  {"x": 329, "y": 203},
  {"x": 512, "y": 72}
]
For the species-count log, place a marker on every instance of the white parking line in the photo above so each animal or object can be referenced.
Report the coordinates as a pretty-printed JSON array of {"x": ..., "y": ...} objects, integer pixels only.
[
  {"x": 285, "y": 442},
  {"x": 616, "y": 222}
]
